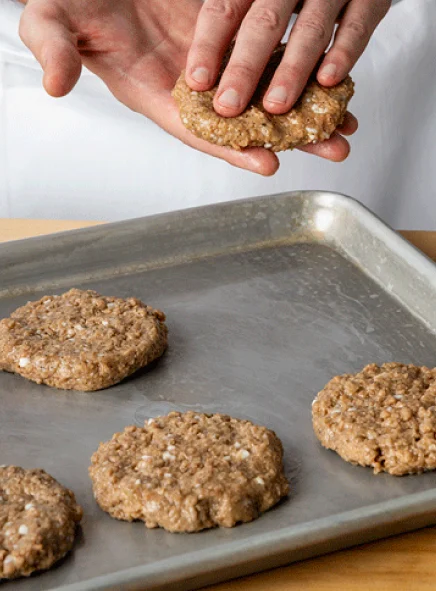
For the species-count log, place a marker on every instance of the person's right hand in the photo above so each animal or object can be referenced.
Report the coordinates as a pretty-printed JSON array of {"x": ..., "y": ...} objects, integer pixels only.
[
  {"x": 138, "y": 48},
  {"x": 260, "y": 25}
]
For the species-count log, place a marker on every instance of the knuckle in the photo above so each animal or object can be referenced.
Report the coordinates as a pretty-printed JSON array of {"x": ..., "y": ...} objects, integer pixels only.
[
  {"x": 33, "y": 17},
  {"x": 289, "y": 72},
  {"x": 44, "y": 11},
  {"x": 241, "y": 71},
  {"x": 313, "y": 27},
  {"x": 23, "y": 28},
  {"x": 225, "y": 9},
  {"x": 359, "y": 29},
  {"x": 264, "y": 18},
  {"x": 346, "y": 56},
  {"x": 203, "y": 49},
  {"x": 29, "y": 22}
]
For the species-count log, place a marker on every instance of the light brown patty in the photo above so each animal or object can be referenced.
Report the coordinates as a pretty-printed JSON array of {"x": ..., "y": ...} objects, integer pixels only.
[
  {"x": 81, "y": 340},
  {"x": 38, "y": 519},
  {"x": 313, "y": 119},
  {"x": 186, "y": 472},
  {"x": 383, "y": 417}
]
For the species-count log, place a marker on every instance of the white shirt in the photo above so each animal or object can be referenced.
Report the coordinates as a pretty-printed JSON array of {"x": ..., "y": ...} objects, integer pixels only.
[{"x": 86, "y": 156}]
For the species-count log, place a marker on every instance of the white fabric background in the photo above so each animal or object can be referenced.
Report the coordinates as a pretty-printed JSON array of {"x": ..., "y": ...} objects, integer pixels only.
[{"x": 88, "y": 157}]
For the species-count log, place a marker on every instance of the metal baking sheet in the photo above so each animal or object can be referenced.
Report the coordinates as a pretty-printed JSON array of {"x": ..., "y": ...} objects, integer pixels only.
[{"x": 266, "y": 300}]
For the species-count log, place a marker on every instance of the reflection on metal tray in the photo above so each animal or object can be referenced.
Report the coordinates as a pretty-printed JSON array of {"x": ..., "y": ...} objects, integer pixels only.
[{"x": 266, "y": 300}]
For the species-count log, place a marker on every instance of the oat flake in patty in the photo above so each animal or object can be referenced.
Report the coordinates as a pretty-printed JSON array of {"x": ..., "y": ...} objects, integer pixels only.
[
  {"x": 38, "y": 519},
  {"x": 81, "y": 340},
  {"x": 383, "y": 417},
  {"x": 186, "y": 472},
  {"x": 313, "y": 119}
]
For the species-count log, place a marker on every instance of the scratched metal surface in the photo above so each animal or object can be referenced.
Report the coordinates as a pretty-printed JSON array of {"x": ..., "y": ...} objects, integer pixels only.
[{"x": 254, "y": 332}]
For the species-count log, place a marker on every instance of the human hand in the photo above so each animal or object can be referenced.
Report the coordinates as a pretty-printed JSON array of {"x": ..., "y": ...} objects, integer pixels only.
[
  {"x": 138, "y": 48},
  {"x": 261, "y": 25}
]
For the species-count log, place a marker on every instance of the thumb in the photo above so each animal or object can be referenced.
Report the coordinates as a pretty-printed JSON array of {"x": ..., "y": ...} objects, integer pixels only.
[{"x": 44, "y": 30}]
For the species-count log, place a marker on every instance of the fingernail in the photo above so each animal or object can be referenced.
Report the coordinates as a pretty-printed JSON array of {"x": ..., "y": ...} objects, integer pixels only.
[
  {"x": 201, "y": 75},
  {"x": 230, "y": 98},
  {"x": 329, "y": 71},
  {"x": 277, "y": 95}
]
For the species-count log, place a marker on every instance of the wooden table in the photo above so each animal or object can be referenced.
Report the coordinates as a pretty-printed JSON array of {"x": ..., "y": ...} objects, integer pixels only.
[{"x": 402, "y": 563}]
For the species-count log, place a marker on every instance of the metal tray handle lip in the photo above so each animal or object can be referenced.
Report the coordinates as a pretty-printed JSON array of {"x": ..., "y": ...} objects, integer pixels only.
[
  {"x": 318, "y": 531},
  {"x": 377, "y": 226},
  {"x": 324, "y": 199}
]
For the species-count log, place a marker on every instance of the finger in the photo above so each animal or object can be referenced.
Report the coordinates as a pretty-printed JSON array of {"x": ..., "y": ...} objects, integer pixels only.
[
  {"x": 349, "y": 125},
  {"x": 44, "y": 31},
  {"x": 260, "y": 32},
  {"x": 217, "y": 23},
  {"x": 335, "y": 149},
  {"x": 309, "y": 37},
  {"x": 358, "y": 23},
  {"x": 256, "y": 160}
]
